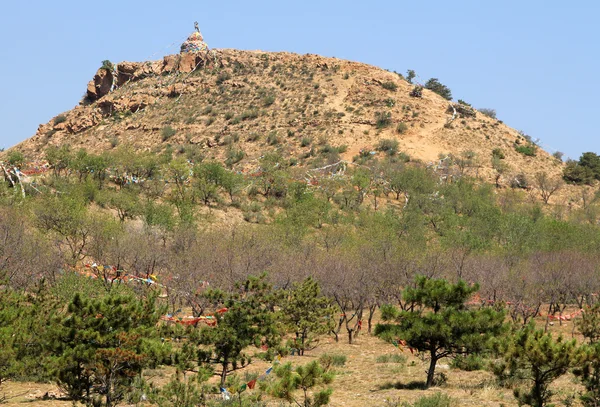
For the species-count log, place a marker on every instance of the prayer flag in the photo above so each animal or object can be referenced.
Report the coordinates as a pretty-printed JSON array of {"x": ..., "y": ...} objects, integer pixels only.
[
  {"x": 269, "y": 370},
  {"x": 251, "y": 384}
]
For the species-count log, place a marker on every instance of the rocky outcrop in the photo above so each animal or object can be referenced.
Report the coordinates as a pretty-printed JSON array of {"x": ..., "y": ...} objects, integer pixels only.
[{"x": 101, "y": 85}]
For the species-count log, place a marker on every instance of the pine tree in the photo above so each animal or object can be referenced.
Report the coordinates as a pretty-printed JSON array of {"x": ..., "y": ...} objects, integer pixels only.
[
  {"x": 101, "y": 345},
  {"x": 535, "y": 357},
  {"x": 307, "y": 313},
  {"x": 304, "y": 378},
  {"x": 249, "y": 320},
  {"x": 441, "y": 325},
  {"x": 589, "y": 374}
]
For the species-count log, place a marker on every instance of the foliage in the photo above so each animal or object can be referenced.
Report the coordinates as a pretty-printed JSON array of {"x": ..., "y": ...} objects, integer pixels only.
[
  {"x": 401, "y": 128},
  {"x": 107, "y": 65},
  {"x": 528, "y": 149},
  {"x": 167, "y": 132},
  {"x": 589, "y": 323},
  {"x": 102, "y": 344},
  {"x": 306, "y": 313},
  {"x": 304, "y": 378},
  {"x": 498, "y": 153},
  {"x": 436, "y": 400},
  {"x": 434, "y": 85},
  {"x": 248, "y": 321},
  {"x": 389, "y": 85},
  {"x": 441, "y": 324},
  {"x": 535, "y": 359},
  {"x": 383, "y": 119},
  {"x": 575, "y": 173},
  {"x": 389, "y": 146},
  {"x": 410, "y": 75},
  {"x": 15, "y": 159},
  {"x": 491, "y": 113},
  {"x": 588, "y": 372},
  {"x": 417, "y": 91}
]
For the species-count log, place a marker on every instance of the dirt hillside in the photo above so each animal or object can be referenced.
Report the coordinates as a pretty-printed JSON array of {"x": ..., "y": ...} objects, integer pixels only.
[{"x": 243, "y": 103}]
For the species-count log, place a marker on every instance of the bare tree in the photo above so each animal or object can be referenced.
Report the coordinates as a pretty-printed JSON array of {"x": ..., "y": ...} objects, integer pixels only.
[{"x": 547, "y": 185}]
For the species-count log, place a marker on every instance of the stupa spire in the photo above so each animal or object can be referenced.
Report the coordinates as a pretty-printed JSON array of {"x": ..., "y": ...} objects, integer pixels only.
[{"x": 195, "y": 42}]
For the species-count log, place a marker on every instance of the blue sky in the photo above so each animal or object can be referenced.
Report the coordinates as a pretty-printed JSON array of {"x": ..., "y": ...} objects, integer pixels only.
[{"x": 535, "y": 62}]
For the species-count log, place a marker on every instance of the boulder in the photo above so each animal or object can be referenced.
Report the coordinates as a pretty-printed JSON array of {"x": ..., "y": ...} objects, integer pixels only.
[
  {"x": 100, "y": 85},
  {"x": 127, "y": 71}
]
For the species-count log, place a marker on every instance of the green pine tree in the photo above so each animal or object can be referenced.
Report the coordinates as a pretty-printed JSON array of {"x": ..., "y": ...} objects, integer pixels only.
[
  {"x": 305, "y": 378},
  {"x": 441, "y": 324},
  {"x": 249, "y": 320},
  {"x": 307, "y": 313},
  {"x": 101, "y": 345},
  {"x": 535, "y": 358}
]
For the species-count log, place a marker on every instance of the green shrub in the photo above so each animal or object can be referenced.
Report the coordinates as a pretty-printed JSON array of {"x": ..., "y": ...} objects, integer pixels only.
[
  {"x": 558, "y": 155},
  {"x": 410, "y": 75},
  {"x": 519, "y": 181},
  {"x": 498, "y": 153},
  {"x": 305, "y": 142},
  {"x": 233, "y": 156},
  {"x": 391, "y": 358},
  {"x": 249, "y": 115},
  {"x": 436, "y": 400},
  {"x": 332, "y": 359},
  {"x": 389, "y": 146},
  {"x": 253, "y": 137},
  {"x": 389, "y": 85},
  {"x": 488, "y": 112},
  {"x": 401, "y": 128},
  {"x": 468, "y": 363},
  {"x": 528, "y": 149},
  {"x": 167, "y": 132},
  {"x": 268, "y": 100},
  {"x": 273, "y": 138},
  {"x": 107, "y": 65},
  {"x": 434, "y": 85},
  {"x": 222, "y": 77},
  {"x": 575, "y": 173},
  {"x": 389, "y": 102},
  {"x": 417, "y": 92},
  {"x": 383, "y": 119},
  {"x": 61, "y": 118}
]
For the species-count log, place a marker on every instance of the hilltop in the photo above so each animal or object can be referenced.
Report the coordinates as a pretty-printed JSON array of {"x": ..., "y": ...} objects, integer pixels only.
[{"x": 236, "y": 105}]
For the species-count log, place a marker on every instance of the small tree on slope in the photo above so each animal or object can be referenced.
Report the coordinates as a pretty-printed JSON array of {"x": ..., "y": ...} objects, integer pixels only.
[
  {"x": 441, "y": 325},
  {"x": 307, "y": 313},
  {"x": 533, "y": 356}
]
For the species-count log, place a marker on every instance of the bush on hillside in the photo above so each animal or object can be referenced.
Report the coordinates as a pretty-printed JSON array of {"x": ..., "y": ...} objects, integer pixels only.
[
  {"x": 529, "y": 149},
  {"x": 417, "y": 92},
  {"x": 434, "y": 85},
  {"x": 383, "y": 119},
  {"x": 488, "y": 112},
  {"x": 389, "y": 85}
]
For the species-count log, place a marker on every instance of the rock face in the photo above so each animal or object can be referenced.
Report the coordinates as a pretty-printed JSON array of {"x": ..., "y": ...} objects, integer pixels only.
[{"x": 101, "y": 85}]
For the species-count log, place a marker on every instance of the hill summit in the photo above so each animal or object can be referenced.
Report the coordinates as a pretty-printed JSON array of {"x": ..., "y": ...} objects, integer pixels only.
[{"x": 236, "y": 105}]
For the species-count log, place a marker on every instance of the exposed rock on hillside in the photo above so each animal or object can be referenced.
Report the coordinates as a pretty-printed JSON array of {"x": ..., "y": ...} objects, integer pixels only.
[{"x": 226, "y": 103}]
